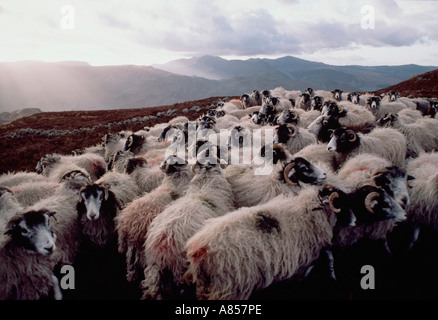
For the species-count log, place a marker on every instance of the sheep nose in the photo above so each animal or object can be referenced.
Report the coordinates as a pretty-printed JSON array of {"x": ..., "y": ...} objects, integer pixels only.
[
  {"x": 405, "y": 202},
  {"x": 49, "y": 249}
]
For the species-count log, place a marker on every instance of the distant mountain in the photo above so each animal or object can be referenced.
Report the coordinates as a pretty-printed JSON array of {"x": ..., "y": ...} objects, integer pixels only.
[
  {"x": 301, "y": 73},
  {"x": 6, "y": 117},
  {"x": 71, "y": 85}
]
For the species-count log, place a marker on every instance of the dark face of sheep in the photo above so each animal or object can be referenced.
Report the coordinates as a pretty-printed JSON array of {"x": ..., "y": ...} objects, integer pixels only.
[
  {"x": 337, "y": 94},
  {"x": 374, "y": 103},
  {"x": 343, "y": 140},
  {"x": 257, "y": 117},
  {"x": 172, "y": 164},
  {"x": 305, "y": 97},
  {"x": 387, "y": 121},
  {"x": 393, "y": 96},
  {"x": 245, "y": 98},
  {"x": 354, "y": 97},
  {"x": 211, "y": 113},
  {"x": 134, "y": 143},
  {"x": 93, "y": 197},
  {"x": 395, "y": 181},
  {"x": 301, "y": 170},
  {"x": 331, "y": 108},
  {"x": 239, "y": 137},
  {"x": 267, "y": 109},
  {"x": 32, "y": 232},
  {"x": 277, "y": 152},
  {"x": 309, "y": 91},
  {"x": 317, "y": 103},
  {"x": 371, "y": 204},
  {"x": 288, "y": 116},
  {"x": 220, "y": 114},
  {"x": 285, "y": 132},
  {"x": 336, "y": 201},
  {"x": 134, "y": 163}
]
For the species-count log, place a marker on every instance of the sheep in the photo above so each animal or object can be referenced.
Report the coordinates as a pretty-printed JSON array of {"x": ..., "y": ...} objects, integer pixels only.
[
  {"x": 133, "y": 221},
  {"x": 386, "y": 142},
  {"x": 337, "y": 94},
  {"x": 235, "y": 255},
  {"x": 423, "y": 193},
  {"x": 305, "y": 118},
  {"x": 288, "y": 175},
  {"x": 420, "y": 136},
  {"x": 64, "y": 202},
  {"x": 243, "y": 113},
  {"x": 26, "y": 254},
  {"x": 208, "y": 195},
  {"x": 423, "y": 105},
  {"x": 113, "y": 143},
  {"x": 349, "y": 115},
  {"x": 317, "y": 102},
  {"x": 409, "y": 116},
  {"x": 294, "y": 139},
  {"x": 252, "y": 99},
  {"x": 29, "y": 193},
  {"x": 9, "y": 206},
  {"x": 304, "y": 102},
  {"x": 354, "y": 97},
  {"x": 310, "y": 92},
  {"x": 319, "y": 155},
  {"x": 52, "y": 165},
  {"x": 101, "y": 202},
  {"x": 136, "y": 143},
  {"x": 380, "y": 110},
  {"x": 11, "y": 179},
  {"x": 409, "y": 103},
  {"x": 288, "y": 116}
]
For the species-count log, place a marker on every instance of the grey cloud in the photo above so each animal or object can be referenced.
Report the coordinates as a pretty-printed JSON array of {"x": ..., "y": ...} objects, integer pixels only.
[{"x": 114, "y": 22}]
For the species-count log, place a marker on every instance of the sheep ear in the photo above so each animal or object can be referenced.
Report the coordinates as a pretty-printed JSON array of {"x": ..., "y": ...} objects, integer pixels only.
[
  {"x": 13, "y": 225},
  {"x": 409, "y": 177}
]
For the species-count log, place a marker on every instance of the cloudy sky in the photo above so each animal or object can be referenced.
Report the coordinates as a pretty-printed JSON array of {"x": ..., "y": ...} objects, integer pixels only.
[{"x": 145, "y": 32}]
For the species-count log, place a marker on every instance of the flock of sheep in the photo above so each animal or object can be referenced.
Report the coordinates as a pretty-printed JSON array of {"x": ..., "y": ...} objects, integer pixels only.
[{"x": 248, "y": 195}]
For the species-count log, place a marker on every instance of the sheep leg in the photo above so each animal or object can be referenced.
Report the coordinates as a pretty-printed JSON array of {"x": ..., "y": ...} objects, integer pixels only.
[
  {"x": 56, "y": 288},
  {"x": 151, "y": 283},
  {"x": 331, "y": 262},
  {"x": 414, "y": 238}
]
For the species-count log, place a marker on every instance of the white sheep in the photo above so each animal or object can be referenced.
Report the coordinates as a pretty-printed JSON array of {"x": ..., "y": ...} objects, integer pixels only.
[
  {"x": 251, "y": 248},
  {"x": 208, "y": 195},
  {"x": 287, "y": 176},
  {"x": 101, "y": 202},
  {"x": 421, "y": 136},
  {"x": 423, "y": 193},
  {"x": 26, "y": 254},
  {"x": 386, "y": 142},
  {"x": 133, "y": 221},
  {"x": 293, "y": 138}
]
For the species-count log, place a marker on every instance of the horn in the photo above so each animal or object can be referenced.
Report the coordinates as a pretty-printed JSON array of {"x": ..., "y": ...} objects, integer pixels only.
[
  {"x": 294, "y": 132},
  {"x": 369, "y": 198},
  {"x": 286, "y": 171},
  {"x": 354, "y": 133},
  {"x": 375, "y": 173},
  {"x": 341, "y": 109},
  {"x": 294, "y": 115},
  {"x": 334, "y": 196},
  {"x": 193, "y": 168}
]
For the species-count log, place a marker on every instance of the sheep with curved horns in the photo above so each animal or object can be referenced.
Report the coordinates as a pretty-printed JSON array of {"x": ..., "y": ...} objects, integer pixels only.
[
  {"x": 423, "y": 193},
  {"x": 420, "y": 136},
  {"x": 26, "y": 249},
  {"x": 304, "y": 102},
  {"x": 281, "y": 239},
  {"x": 288, "y": 176},
  {"x": 380, "y": 110},
  {"x": 134, "y": 220},
  {"x": 376, "y": 212},
  {"x": 209, "y": 195},
  {"x": 386, "y": 142},
  {"x": 294, "y": 139},
  {"x": 101, "y": 202}
]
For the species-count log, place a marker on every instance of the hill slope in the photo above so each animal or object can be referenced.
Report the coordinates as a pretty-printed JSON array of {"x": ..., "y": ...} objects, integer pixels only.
[
  {"x": 79, "y": 86},
  {"x": 423, "y": 85}
]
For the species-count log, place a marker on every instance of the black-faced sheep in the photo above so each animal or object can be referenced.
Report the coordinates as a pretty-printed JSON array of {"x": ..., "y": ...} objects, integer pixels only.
[
  {"x": 235, "y": 255},
  {"x": 421, "y": 136},
  {"x": 26, "y": 248},
  {"x": 293, "y": 138},
  {"x": 423, "y": 193},
  {"x": 386, "y": 142},
  {"x": 101, "y": 202}
]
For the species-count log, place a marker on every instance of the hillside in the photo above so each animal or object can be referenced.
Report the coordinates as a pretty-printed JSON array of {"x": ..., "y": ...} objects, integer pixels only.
[
  {"x": 423, "y": 85},
  {"x": 24, "y": 141},
  {"x": 70, "y": 85}
]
